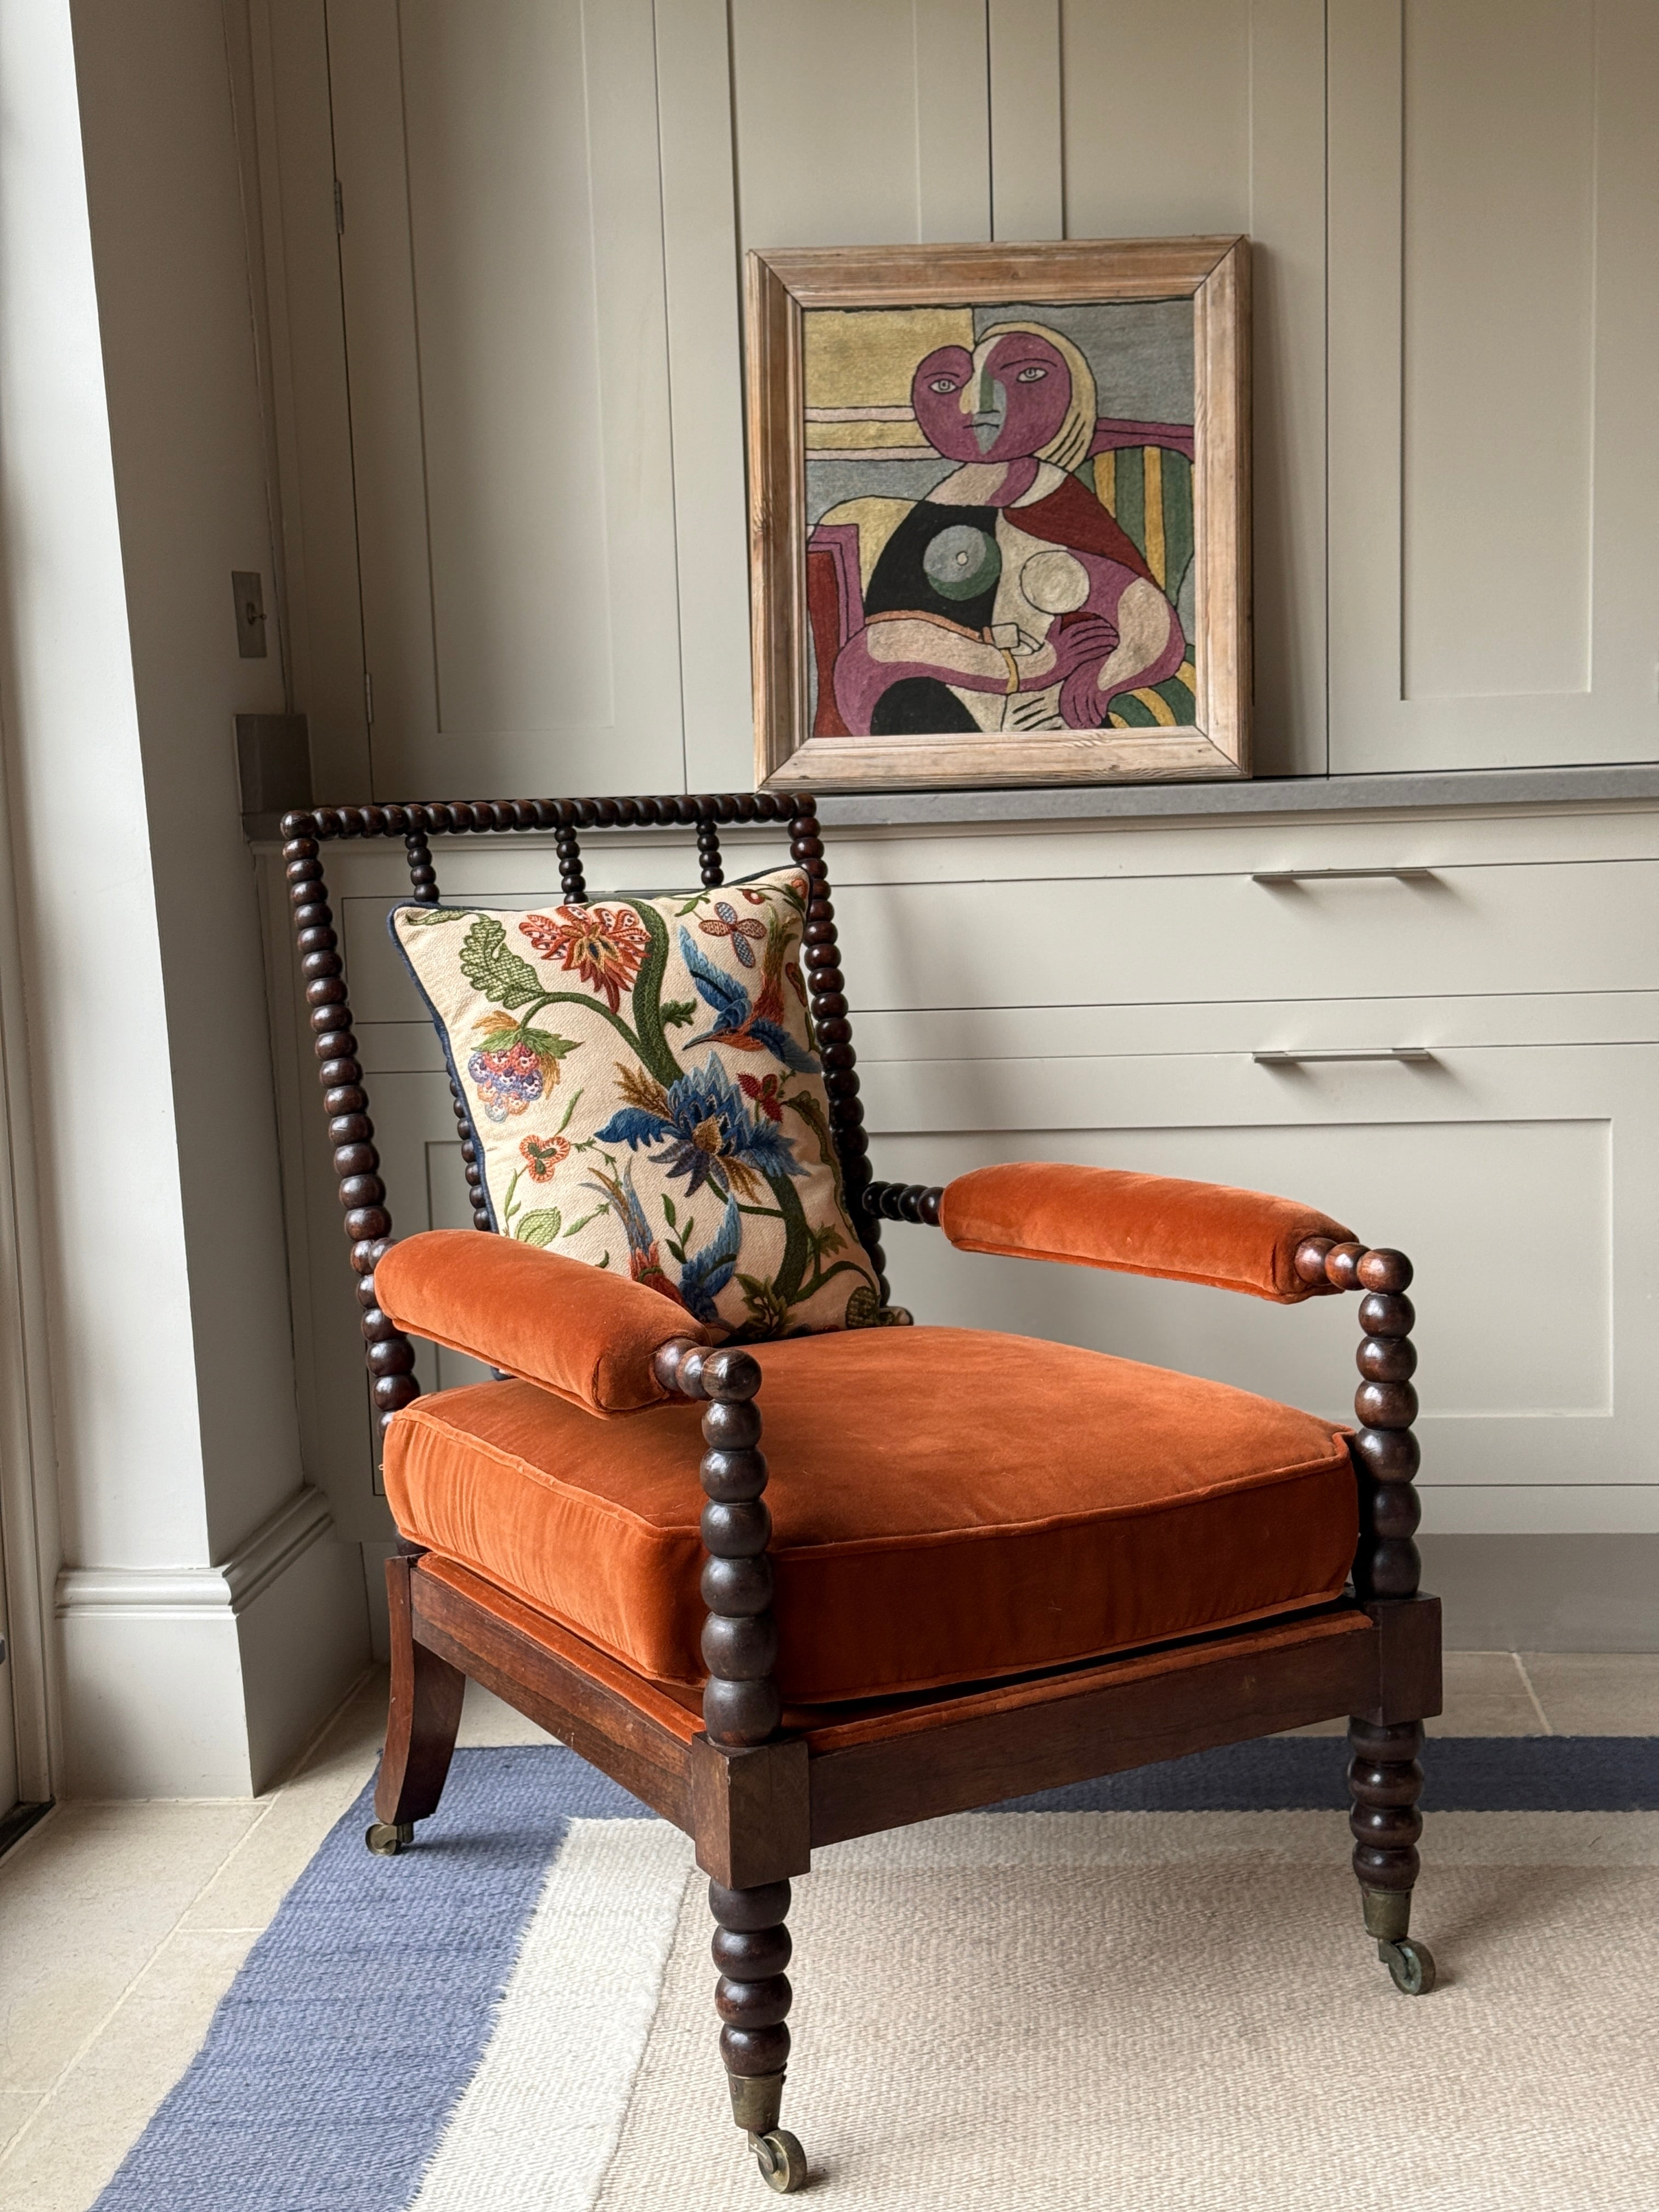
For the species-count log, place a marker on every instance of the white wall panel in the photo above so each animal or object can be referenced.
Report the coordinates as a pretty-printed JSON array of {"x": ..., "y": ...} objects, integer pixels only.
[
  {"x": 503, "y": 287},
  {"x": 1493, "y": 451},
  {"x": 546, "y": 209},
  {"x": 1158, "y": 98},
  {"x": 859, "y": 122},
  {"x": 705, "y": 378},
  {"x": 1028, "y": 180},
  {"x": 1498, "y": 321},
  {"x": 1209, "y": 116}
]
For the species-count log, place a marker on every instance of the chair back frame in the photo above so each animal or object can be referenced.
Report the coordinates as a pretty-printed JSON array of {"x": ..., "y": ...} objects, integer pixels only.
[{"x": 388, "y": 1353}]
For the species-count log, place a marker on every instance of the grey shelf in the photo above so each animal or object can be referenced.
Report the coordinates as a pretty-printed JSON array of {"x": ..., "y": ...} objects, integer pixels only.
[
  {"x": 1277, "y": 795},
  {"x": 1261, "y": 796}
]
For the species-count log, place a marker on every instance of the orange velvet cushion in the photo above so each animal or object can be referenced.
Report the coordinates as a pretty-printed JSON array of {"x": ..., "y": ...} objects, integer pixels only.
[
  {"x": 948, "y": 1505},
  {"x": 1141, "y": 1225},
  {"x": 581, "y": 1331}
]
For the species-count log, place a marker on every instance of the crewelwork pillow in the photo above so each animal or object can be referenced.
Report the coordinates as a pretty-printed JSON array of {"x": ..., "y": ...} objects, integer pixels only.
[{"x": 644, "y": 1094}]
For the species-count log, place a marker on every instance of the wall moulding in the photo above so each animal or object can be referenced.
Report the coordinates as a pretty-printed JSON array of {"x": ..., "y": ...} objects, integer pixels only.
[
  {"x": 205, "y": 1681},
  {"x": 229, "y": 1588}
]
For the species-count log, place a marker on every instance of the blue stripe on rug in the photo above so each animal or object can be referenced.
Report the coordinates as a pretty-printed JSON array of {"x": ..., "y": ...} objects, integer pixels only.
[
  {"x": 1307, "y": 1773},
  {"x": 360, "y": 2015}
]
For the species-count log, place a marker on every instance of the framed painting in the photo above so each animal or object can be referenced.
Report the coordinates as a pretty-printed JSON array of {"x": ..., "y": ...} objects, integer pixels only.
[{"x": 999, "y": 511}]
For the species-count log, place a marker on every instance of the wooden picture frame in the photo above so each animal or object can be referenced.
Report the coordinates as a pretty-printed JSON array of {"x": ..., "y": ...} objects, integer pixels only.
[{"x": 1187, "y": 724}]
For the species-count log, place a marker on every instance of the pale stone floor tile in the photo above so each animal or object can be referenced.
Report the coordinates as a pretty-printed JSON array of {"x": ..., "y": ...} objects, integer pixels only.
[
  {"x": 487, "y": 1719},
  {"x": 82, "y": 2131},
  {"x": 256, "y": 1877},
  {"x": 15, "y": 2105},
  {"x": 85, "y": 1899},
  {"x": 1485, "y": 1694},
  {"x": 1596, "y": 1693},
  {"x": 253, "y": 1880}
]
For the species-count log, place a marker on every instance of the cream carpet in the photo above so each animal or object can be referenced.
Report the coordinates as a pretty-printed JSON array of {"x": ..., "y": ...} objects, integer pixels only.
[{"x": 1179, "y": 2012}]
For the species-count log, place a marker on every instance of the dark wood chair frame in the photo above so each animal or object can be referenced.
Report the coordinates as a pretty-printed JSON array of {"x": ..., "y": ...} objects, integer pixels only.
[{"x": 755, "y": 1797}]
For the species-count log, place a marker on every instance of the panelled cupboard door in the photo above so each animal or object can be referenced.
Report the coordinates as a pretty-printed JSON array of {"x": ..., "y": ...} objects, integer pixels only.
[
  {"x": 1521, "y": 1331},
  {"x": 1494, "y": 335},
  {"x": 502, "y": 259},
  {"x": 860, "y": 122},
  {"x": 1208, "y": 116}
]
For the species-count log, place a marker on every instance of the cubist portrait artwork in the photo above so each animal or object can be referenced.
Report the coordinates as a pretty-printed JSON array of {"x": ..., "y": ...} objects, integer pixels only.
[{"x": 998, "y": 515}]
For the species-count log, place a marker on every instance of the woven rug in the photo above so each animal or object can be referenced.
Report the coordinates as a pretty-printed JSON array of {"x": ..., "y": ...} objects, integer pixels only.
[{"x": 1149, "y": 1994}]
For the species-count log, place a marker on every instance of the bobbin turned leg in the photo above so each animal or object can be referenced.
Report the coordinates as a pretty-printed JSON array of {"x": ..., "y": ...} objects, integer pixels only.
[
  {"x": 1384, "y": 1781},
  {"x": 753, "y": 1996},
  {"x": 420, "y": 1726},
  {"x": 741, "y": 1711}
]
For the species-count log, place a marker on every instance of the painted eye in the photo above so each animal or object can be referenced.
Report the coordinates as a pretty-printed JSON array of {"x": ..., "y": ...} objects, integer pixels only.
[
  {"x": 1034, "y": 375},
  {"x": 942, "y": 384}
]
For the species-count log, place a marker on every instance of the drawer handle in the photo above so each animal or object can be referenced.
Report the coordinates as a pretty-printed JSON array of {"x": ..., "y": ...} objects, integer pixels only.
[
  {"x": 1338, "y": 875},
  {"x": 1415, "y": 1053}
]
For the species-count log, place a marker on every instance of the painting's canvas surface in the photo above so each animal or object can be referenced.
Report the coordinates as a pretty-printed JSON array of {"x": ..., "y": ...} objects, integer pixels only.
[{"x": 998, "y": 511}]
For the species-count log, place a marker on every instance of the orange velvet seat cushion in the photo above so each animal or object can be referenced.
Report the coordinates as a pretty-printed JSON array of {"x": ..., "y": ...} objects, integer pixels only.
[{"x": 948, "y": 1505}]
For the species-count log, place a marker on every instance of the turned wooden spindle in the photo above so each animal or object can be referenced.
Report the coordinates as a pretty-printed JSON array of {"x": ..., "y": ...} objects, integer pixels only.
[
  {"x": 905, "y": 1201},
  {"x": 751, "y": 1948},
  {"x": 422, "y": 876},
  {"x": 740, "y": 1702},
  {"x": 1385, "y": 1452},
  {"x": 832, "y": 1033},
  {"x": 708, "y": 853},
  {"x": 1384, "y": 1778},
  {"x": 569, "y": 848},
  {"x": 471, "y": 1161},
  {"x": 1384, "y": 1783},
  {"x": 741, "y": 1710},
  {"x": 388, "y": 1353}
]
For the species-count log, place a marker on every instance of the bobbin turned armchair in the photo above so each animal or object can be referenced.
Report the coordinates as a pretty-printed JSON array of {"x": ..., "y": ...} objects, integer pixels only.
[{"x": 968, "y": 1566}]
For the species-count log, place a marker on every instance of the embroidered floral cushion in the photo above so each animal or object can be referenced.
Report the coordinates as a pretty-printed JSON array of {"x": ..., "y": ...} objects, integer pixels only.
[{"x": 644, "y": 1094}]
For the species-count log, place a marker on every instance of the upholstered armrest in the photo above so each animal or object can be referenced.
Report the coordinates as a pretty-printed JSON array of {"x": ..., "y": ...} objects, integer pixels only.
[
  {"x": 580, "y": 1331},
  {"x": 1142, "y": 1225}
]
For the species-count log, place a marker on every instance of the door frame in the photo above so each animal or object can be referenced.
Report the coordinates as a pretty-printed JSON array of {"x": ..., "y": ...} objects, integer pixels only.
[{"x": 29, "y": 1500}]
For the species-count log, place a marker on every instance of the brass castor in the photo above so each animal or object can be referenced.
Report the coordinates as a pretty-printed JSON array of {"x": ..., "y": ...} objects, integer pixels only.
[
  {"x": 782, "y": 2161},
  {"x": 1410, "y": 1963},
  {"x": 386, "y": 1839}
]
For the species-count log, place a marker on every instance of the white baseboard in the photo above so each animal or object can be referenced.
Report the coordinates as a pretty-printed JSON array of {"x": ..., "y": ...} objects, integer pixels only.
[
  {"x": 205, "y": 1681},
  {"x": 380, "y": 1618}
]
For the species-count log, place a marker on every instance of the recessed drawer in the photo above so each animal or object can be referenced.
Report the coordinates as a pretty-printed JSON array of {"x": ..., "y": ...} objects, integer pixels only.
[{"x": 1462, "y": 931}]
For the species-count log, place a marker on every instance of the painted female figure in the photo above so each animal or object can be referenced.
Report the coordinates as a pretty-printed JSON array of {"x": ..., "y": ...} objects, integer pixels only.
[{"x": 1008, "y": 597}]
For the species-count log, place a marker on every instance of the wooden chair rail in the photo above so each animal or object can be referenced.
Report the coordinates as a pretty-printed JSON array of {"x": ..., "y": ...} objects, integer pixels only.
[
  {"x": 756, "y": 1813},
  {"x": 905, "y": 1201},
  {"x": 1100, "y": 1726}
]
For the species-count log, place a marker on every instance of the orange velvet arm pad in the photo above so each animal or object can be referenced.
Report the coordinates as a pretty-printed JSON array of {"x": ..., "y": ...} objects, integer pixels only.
[
  {"x": 580, "y": 1331},
  {"x": 1189, "y": 1232}
]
